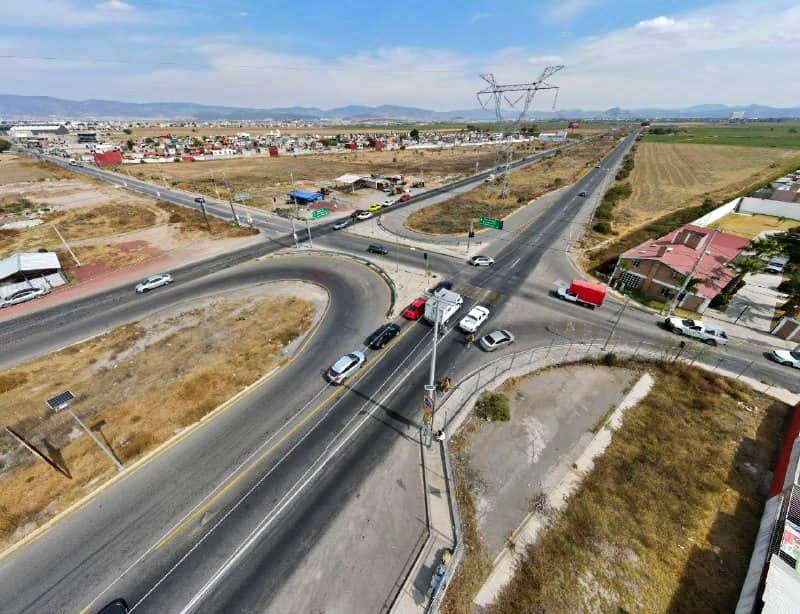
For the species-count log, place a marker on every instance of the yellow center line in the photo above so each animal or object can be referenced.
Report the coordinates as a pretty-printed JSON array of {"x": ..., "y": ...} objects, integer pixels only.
[{"x": 244, "y": 472}]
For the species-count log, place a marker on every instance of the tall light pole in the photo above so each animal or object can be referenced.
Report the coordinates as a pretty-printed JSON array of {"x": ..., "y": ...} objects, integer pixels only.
[{"x": 429, "y": 400}]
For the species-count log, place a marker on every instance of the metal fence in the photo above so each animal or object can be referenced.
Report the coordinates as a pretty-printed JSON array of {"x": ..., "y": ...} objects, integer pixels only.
[{"x": 454, "y": 408}]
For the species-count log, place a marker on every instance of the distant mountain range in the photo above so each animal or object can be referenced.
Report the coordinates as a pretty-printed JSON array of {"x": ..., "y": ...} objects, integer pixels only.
[{"x": 48, "y": 108}]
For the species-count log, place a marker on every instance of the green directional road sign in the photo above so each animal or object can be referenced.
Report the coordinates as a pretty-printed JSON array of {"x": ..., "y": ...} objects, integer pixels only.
[
  {"x": 318, "y": 213},
  {"x": 491, "y": 222},
  {"x": 240, "y": 196}
]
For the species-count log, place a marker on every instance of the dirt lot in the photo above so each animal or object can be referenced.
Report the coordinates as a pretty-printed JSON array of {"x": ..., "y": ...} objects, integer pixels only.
[
  {"x": 106, "y": 227},
  {"x": 265, "y": 177},
  {"x": 137, "y": 386},
  {"x": 667, "y": 518},
  {"x": 454, "y": 215}
]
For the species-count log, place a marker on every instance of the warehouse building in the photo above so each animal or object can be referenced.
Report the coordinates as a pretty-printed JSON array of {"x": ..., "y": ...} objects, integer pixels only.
[{"x": 30, "y": 270}]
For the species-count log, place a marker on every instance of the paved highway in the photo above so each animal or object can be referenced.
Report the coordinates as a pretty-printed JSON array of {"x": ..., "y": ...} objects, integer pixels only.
[{"x": 242, "y": 500}]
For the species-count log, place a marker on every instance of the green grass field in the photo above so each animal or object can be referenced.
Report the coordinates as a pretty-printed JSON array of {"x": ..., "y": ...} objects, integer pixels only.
[{"x": 784, "y": 134}]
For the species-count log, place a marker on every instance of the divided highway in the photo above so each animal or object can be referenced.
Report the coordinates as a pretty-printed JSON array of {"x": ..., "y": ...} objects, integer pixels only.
[{"x": 223, "y": 518}]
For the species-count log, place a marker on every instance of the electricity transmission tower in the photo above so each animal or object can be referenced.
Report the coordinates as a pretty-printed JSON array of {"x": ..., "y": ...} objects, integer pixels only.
[{"x": 517, "y": 96}]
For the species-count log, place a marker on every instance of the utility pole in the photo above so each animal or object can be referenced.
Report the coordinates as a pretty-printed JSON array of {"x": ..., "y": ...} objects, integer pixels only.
[
  {"x": 230, "y": 199},
  {"x": 308, "y": 230},
  {"x": 294, "y": 234},
  {"x": 202, "y": 202},
  {"x": 214, "y": 183},
  {"x": 687, "y": 280},
  {"x": 470, "y": 234},
  {"x": 69, "y": 249},
  {"x": 614, "y": 328}
]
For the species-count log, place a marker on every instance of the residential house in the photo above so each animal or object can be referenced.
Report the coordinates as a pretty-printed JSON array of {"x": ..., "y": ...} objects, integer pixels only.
[{"x": 656, "y": 269}]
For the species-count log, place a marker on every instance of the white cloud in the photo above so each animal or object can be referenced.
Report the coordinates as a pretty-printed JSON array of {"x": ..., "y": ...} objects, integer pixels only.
[
  {"x": 480, "y": 17},
  {"x": 115, "y": 5},
  {"x": 65, "y": 13},
  {"x": 545, "y": 60},
  {"x": 565, "y": 10}
]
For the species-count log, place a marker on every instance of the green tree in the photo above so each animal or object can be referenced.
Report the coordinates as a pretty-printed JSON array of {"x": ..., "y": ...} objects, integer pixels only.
[
  {"x": 5, "y": 145},
  {"x": 766, "y": 246},
  {"x": 745, "y": 266},
  {"x": 128, "y": 131},
  {"x": 414, "y": 134},
  {"x": 197, "y": 142},
  {"x": 791, "y": 287},
  {"x": 129, "y": 144}
]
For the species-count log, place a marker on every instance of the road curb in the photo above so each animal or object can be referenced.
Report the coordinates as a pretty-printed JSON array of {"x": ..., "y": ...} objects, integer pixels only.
[{"x": 169, "y": 443}]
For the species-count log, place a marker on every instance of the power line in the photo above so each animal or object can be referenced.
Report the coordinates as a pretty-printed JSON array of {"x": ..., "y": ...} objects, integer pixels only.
[{"x": 396, "y": 69}]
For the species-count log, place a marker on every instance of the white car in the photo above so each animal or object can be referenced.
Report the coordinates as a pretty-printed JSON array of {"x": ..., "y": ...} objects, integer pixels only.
[
  {"x": 472, "y": 321},
  {"x": 387, "y": 203},
  {"x": 363, "y": 215},
  {"x": 151, "y": 283},
  {"x": 345, "y": 367},
  {"x": 341, "y": 224},
  {"x": 481, "y": 261},
  {"x": 785, "y": 357},
  {"x": 497, "y": 339},
  {"x": 697, "y": 329},
  {"x": 20, "y": 296}
]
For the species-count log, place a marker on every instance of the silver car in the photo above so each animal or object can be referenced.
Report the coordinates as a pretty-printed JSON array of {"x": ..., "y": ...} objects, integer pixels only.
[
  {"x": 20, "y": 296},
  {"x": 345, "y": 367},
  {"x": 151, "y": 283},
  {"x": 497, "y": 339}
]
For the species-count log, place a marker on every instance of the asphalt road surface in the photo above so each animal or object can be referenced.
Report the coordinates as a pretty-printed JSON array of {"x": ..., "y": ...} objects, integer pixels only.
[{"x": 223, "y": 518}]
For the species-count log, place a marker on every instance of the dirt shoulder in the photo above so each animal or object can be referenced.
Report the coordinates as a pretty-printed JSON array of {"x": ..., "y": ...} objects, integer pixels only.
[
  {"x": 137, "y": 386},
  {"x": 527, "y": 183},
  {"x": 667, "y": 518}
]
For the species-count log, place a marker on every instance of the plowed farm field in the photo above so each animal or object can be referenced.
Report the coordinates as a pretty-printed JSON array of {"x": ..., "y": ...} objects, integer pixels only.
[{"x": 668, "y": 176}]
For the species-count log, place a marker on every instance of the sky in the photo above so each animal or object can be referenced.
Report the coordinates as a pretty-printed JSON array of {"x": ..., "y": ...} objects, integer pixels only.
[{"x": 430, "y": 54}]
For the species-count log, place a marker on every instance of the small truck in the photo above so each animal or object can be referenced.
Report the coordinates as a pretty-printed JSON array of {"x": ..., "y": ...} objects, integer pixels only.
[{"x": 586, "y": 293}]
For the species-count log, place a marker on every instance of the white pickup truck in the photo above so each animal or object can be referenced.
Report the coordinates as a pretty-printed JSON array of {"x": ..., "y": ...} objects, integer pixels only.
[{"x": 697, "y": 329}]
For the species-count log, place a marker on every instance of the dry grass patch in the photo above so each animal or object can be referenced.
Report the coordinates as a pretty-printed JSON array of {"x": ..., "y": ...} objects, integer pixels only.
[
  {"x": 191, "y": 221},
  {"x": 136, "y": 385},
  {"x": 667, "y": 519},
  {"x": 750, "y": 225},
  {"x": 78, "y": 225},
  {"x": 18, "y": 168},
  {"x": 527, "y": 183},
  {"x": 264, "y": 177}
]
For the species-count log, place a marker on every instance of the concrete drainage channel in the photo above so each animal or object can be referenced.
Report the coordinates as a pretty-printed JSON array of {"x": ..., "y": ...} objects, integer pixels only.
[{"x": 453, "y": 410}]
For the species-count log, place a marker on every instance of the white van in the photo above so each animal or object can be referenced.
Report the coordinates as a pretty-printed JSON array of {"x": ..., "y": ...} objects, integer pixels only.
[{"x": 776, "y": 265}]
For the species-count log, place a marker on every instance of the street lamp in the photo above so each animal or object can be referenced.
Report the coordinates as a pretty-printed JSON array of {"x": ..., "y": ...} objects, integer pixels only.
[{"x": 61, "y": 401}]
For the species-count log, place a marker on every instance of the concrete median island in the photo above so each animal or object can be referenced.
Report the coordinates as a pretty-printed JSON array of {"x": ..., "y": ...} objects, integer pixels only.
[{"x": 137, "y": 386}]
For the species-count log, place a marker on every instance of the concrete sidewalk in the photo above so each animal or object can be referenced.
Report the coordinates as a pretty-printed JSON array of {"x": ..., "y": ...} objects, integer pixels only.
[{"x": 414, "y": 596}]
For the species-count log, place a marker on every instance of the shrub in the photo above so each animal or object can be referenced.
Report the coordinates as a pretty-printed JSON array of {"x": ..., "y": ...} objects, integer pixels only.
[
  {"x": 603, "y": 227},
  {"x": 610, "y": 359},
  {"x": 493, "y": 406}
]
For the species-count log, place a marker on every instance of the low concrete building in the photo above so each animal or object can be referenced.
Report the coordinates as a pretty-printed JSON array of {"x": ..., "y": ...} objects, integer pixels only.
[
  {"x": 30, "y": 270},
  {"x": 656, "y": 269}
]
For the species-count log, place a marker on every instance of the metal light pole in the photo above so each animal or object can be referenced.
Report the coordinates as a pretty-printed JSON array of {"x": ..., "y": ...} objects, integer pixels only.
[
  {"x": 61, "y": 401},
  {"x": 308, "y": 230},
  {"x": 294, "y": 234},
  {"x": 619, "y": 316}
]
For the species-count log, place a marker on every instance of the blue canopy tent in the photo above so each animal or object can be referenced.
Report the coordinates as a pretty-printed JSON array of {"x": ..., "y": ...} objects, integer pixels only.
[{"x": 301, "y": 197}]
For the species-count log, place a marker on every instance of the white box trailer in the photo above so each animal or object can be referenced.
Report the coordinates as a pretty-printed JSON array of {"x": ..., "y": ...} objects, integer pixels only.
[{"x": 448, "y": 305}]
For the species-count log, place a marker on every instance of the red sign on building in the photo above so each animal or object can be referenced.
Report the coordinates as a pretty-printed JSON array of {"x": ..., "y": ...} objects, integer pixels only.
[
  {"x": 273, "y": 151},
  {"x": 108, "y": 158}
]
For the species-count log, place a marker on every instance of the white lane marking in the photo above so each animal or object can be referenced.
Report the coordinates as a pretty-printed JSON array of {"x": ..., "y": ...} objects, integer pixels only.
[
  {"x": 513, "y": 264},
  {"x": 301, "y": 484},
  {"x": 211, "y": 493},
  {"x": 272, "y": 469}
]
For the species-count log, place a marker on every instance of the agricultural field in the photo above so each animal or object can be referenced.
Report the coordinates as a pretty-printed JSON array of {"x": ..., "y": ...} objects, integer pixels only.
[
  {"x": 783, "y": 135},
  {"x": 528, "y": 183},
  {"x": 668, "y": 177},
  {"x": 750, "y": 226},
  {"x": 16, "y": 168},
  {"x": 138, "y": 385},
  {"x": 264, "y": 177}
]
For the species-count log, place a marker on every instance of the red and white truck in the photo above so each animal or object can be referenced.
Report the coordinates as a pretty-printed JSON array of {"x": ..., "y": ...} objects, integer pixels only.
[{"x": 585, "y": 293}]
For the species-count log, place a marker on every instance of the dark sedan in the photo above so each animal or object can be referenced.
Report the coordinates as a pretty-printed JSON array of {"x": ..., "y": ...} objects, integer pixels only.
[{"x": 382, "y": 336}]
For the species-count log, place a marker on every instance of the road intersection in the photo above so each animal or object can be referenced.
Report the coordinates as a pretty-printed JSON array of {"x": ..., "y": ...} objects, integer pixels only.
[{"x": 224, "y": 517}]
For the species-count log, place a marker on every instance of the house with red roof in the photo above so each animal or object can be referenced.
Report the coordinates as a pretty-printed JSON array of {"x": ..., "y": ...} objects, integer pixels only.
[{"x": 656, "y": 269}]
